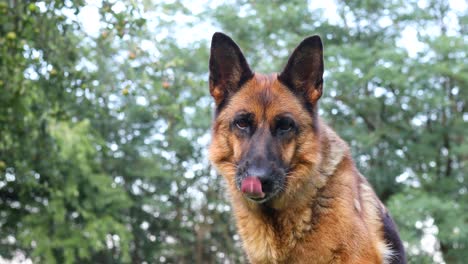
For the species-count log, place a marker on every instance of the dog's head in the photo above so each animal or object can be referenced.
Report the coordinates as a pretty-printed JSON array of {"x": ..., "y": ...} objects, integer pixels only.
[{"x": 265, "y": 132}]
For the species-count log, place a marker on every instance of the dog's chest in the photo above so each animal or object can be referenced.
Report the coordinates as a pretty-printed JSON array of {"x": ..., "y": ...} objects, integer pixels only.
[
  {"x": 275, "y": 240},
  {"x": 289, "y": 249}
]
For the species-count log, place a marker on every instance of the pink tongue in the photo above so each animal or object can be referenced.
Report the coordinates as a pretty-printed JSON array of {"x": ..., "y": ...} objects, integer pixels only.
[{"x": 251, "y": 186}]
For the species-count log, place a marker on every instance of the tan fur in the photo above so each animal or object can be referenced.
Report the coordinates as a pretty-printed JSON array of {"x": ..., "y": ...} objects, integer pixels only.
[{"x": 328, "y": 213}]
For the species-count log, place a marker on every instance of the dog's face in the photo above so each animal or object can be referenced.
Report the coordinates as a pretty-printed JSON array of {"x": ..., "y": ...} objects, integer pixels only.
[{"x": 265, "y": 128}]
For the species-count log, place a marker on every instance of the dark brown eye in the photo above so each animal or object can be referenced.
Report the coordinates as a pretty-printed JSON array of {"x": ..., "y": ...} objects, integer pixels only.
[
  {"x": 242, "y": 123},
  {"x": 284, "y": 124}
]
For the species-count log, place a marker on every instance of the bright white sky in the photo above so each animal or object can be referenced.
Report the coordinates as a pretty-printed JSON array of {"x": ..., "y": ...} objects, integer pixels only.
[{"x": 89, "y": 17}]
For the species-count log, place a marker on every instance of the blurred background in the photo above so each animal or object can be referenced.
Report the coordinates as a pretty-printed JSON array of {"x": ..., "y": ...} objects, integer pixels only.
[{"x": 105, "y": 116}]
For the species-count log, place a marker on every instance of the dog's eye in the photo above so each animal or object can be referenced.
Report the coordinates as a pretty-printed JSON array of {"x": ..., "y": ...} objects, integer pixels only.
[
  {"x": 284, "y": 124},
  {"x": 243, "y": 123}
]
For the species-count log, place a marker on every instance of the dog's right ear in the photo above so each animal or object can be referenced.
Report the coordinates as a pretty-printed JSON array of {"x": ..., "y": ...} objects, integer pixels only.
[{"x": 228, "y": 68}]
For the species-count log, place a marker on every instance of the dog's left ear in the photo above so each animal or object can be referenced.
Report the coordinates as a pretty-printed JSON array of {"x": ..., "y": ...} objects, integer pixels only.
[
  {"x": 304, "y": 72},
  {"x": 228, "y": 68}
]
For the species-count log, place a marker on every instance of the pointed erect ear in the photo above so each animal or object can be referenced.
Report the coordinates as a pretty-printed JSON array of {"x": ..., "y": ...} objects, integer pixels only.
[
  {"x": 304, "y": 72},
  {"x": 228, "y": 68}
]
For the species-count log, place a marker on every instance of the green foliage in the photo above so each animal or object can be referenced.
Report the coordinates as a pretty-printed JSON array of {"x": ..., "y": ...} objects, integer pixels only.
[
  {"x": 103, "y": 137},
  {"x": 54, "y": 193}
]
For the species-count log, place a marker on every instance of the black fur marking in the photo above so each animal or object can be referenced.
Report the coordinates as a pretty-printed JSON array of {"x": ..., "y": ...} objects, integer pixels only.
[
  {"x": 221, "y": 106},
  {"x": 393, "y": 240}
]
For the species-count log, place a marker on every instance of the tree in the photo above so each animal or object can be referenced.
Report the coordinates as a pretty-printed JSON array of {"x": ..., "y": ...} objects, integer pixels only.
[{"x": 54, "y": 195}]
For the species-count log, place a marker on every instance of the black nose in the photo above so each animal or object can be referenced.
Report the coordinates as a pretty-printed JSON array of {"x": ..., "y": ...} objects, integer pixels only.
[{"x": 264, "y": 174}]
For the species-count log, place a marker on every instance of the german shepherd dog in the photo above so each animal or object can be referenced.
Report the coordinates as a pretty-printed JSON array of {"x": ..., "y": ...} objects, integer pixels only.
[{"x": 295, "y": 190}]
